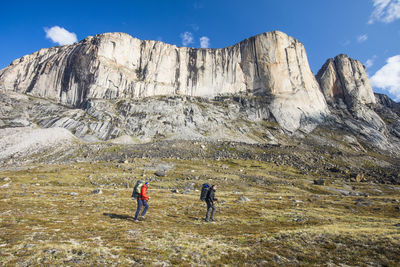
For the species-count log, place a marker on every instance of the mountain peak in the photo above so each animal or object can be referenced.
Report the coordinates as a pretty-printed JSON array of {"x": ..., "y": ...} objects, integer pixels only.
[
  {"x": 343, "y": 79},
  {"x": 117, "y": 65}
]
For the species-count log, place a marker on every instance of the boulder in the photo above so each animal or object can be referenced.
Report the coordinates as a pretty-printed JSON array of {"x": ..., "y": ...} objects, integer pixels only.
[
  {"x": 97, "y": 191},
  {"x": 160, "y": 173},
  {"x": 319, "y": 182}
]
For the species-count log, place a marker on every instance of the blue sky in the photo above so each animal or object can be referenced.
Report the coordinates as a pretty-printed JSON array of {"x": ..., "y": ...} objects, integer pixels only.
[{"x": 367, "y": 30}]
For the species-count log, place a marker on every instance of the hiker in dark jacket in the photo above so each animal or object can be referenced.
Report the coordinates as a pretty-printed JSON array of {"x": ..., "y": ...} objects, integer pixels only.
[
  {"x": 210, "y": 198},
  {"x": 142, "y": 201}
]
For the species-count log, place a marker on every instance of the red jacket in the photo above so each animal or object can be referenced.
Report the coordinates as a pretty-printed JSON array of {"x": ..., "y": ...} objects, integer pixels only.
[{"x": 143, "y": 193}]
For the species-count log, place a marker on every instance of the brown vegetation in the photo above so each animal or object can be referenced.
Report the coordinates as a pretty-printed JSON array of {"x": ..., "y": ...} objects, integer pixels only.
[{"x": 49, "y": 216}]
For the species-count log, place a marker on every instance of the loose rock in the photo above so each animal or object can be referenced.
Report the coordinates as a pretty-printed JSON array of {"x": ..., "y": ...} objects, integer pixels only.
[
  {"x": 97, "y": 191},
  {"x": 363, "y": 202},
  {"x": 5, "y": 185},
  {"x": 160, "y": 173},
  {"x": 319, "y": 182},
  {"x": 243, "y": 199}
]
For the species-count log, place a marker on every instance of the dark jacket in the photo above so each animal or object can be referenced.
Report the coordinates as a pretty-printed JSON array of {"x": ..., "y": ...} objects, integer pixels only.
[{"x": 211, "y": 196}]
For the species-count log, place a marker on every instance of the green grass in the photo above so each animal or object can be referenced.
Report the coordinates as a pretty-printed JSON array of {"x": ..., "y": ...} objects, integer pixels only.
[{"x": 289, "y": 221}]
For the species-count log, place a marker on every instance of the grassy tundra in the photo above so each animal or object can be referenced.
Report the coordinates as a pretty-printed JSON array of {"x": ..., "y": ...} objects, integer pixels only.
[{"x": 49, "y": 216}]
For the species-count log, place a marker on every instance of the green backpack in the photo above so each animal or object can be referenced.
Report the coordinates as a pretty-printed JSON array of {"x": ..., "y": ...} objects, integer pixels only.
[{"x": 137, "y": 189}]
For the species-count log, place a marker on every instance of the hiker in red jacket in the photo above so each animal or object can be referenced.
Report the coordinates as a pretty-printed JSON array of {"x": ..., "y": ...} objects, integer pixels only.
[{"x": 142, "y": 201}]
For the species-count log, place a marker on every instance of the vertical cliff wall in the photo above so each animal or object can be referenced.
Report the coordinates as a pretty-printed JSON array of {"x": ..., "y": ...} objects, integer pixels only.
[
  {"x": 345, "y": 79},
  {"x": 116, "y": 65}
]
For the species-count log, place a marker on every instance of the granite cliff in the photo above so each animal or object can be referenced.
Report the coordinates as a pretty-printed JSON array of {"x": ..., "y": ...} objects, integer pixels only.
[
  {"x": 116, "y": 65},
  {"x": 113, "y": 85},
  {"x": 347, "y": 90}
]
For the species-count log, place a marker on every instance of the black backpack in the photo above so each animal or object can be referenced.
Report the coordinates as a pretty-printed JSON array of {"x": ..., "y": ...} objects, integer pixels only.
[
  {"x": 137, "y": 188},
  {"x": 204, "y": 190}
]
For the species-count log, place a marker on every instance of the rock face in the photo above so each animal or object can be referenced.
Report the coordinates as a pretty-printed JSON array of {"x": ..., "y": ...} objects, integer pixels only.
[
  {"x": 344, "y": 80},
  {"x": 116, "y": 65},
  {"x": 345, "y": 85},
  {"x": 144, "y": 120},
  {"x": 116, "y": 87},
  {"x": 389, "y": 111},
  {"x": 383, "y": 101}
]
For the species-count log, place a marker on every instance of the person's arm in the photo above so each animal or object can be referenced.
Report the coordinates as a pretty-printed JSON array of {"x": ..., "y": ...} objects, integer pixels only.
[{"x": 212, "y": 196}]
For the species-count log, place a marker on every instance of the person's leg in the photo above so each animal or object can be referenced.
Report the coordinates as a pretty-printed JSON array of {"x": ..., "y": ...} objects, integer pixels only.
[
  {"x": 146, "y": 206},
  {"x": 208, "y": 211},
  {"x": 139, "y": 206},
  {"x": 212, "y": 212}
]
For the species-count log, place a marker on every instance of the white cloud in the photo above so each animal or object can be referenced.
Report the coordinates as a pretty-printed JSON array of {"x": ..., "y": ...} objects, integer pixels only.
[
  {"x": 60, "y": 35},
  {"x": 370, "y": 62},
  {"x": 205, "y": 42},
  {"x": 385, "y": 11},
  {"x": 346, "y": 43},
  {"x": 362, "y": 38},
  {"x": 388, "y": 77},
  {"x": 187, "y": 38}
]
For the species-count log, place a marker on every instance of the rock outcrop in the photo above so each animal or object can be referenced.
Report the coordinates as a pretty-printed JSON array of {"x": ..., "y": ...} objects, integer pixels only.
[
  {"x": 345, "y": 85},
  {"x": 389, "y": 111},
  {"x": 144, "y": 120},
  {"x": 116, "y": 65},
  {"x": 344, "y": 80},
  {"x": 384, "y": 102}
]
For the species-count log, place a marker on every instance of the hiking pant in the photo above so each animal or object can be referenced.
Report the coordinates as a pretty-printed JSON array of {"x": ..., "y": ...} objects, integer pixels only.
[
  {"x": 140, "y": 203},
  {"x": 210, "y": 208}
]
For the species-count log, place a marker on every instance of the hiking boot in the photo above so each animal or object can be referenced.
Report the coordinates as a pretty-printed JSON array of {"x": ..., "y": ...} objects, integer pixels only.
[
  {"x": 136, "y": 220},
  {"x": 213, "y": 220},
  {"x": 142, "y": 218}
]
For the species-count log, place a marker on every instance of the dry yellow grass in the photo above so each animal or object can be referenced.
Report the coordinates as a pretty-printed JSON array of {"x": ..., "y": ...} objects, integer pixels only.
[{"x": 48, "y": 216}]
